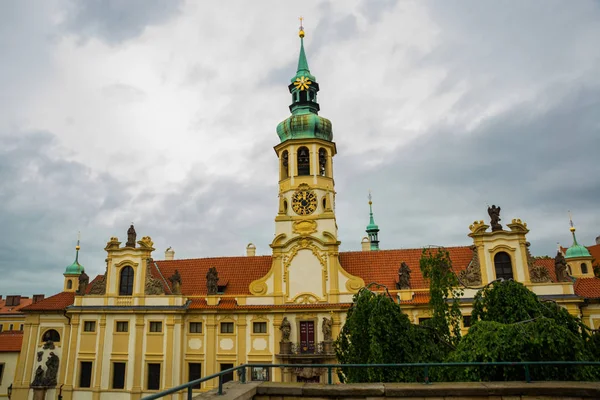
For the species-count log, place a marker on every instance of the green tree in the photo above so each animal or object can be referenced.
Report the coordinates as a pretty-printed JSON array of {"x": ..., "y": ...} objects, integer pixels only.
[{"x": 444, "y": 292}]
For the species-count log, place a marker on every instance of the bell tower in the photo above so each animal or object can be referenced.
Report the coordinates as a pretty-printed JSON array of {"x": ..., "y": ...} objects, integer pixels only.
[
  {"x": 306, "y": 151},
  {"x": 306, "y": 267}
]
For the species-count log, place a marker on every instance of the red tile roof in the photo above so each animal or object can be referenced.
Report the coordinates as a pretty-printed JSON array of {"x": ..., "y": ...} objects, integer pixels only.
[
  {"x": 382, "y": 266},
  {"x": 57, "y": 302},
  {"x": 4, "y": 309},
  {"x": 588, "y": 288},
  {"x": 10, "y": 341},
  {"x": 231, "y": 304},
  {"x": 595, "y": 252},
  {"x": 547, "y": 263},
  {"x": 235, "y": 272}
]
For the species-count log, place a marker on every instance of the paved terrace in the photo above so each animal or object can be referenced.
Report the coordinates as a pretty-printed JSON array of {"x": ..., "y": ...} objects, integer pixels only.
[{"x": 413, "y": 391}]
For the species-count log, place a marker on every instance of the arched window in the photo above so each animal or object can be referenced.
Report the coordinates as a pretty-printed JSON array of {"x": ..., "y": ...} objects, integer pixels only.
[
  {"x": 69, "y": 284},
  {"x": 503, "y": 266},
  {"x": 51, "y": 335},
  {"x": 126, "y": 282},
  {"x": 284, "y": 164},
  {"x": 584, "y": 269},
  {"x": 303, "y": 161},
  {"x": 322, "y": 162}
]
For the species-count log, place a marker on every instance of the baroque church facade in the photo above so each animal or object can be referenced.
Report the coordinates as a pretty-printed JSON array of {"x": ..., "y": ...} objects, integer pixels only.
[{"x": 147, "y": 325}]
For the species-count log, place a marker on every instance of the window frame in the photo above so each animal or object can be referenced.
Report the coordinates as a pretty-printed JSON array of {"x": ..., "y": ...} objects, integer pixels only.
[
  {"x": 252, "y": 374},
  {"x": 148, "y": 364},
  {"x": 153, "y": 323},
  {"x": 129, "y": 283},
  {"x": 2, "y": 369},
  {"x": 119, "y": 323},
  {"x": 196, "y": 324},
  {"x": 81, "y": 362},
  {"x": 49, "y": 330},
  {"x": 92, "y": 324},
  {"x": 305, "y": 168},
  {"x": 503, "y": 266},
  {"x": 112, "y": 375},
  {"x": 256, "y": 324},
  {"x": 584, "y": 266},
  {"x": 227, "y": 323}
]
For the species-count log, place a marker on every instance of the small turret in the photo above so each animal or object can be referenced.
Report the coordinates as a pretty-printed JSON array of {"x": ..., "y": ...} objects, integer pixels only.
[
  {"x": 578, "y": 257},
  {"x": 73, "y": 271},
  {"x": 372, "y": 228}
]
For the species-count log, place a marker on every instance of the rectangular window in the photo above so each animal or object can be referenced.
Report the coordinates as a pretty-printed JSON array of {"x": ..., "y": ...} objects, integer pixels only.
[
  {"x": 153, "y": 376},
  {"x": 1, "y": 372},
  {"x": 85, "y": 374},
  {"x": 421, "y": 320},
  {"x": 11, "y": 327},
  {"x": 0, "y": 327},
  {"x": 89, "y": 326},
  {"x": 195, "y": 372},
  {"x": 118, "y": 378},
  {"x": 195, "y": 327},
  {"x": 259, "y": 374},
  {"x": 21, "y": 327},
  {"x": 259, "y": 327},
  {"x": 155, "y": 326},
  {"x": 122, "y": 326},
  {"x": 228, "y": 376},
  {"x": 467, "y": 321},
  {"x": 226, "y": 327}
]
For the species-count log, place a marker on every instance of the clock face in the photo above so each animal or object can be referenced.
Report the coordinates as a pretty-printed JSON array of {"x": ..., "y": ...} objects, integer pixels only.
[{"x": 304, "y": 202}]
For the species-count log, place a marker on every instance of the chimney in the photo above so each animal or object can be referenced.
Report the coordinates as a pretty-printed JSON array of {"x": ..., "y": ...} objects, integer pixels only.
[
  {"x": 598, "y": 240},
  {"x": 169, "y": 254},
  {"x": 38, "y": 298},
  {"x": 250, "y": 250},
  {"x": 366, "y": 244}
]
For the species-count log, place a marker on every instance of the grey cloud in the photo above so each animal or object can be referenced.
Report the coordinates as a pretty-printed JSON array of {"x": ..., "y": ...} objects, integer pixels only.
[
  {"x": 123, "y": 93},
  {"x": 115, "y": 21},
  {"x": 373, "y": 10},
  {"x": 535, "y": 165}
]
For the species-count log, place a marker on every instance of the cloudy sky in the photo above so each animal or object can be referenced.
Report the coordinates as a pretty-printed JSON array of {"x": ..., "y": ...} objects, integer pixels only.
[{"x": 164, "y": 113}]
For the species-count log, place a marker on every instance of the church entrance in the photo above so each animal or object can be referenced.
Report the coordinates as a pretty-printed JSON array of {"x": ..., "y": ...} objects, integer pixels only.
[{"x": 307, "y": 337}]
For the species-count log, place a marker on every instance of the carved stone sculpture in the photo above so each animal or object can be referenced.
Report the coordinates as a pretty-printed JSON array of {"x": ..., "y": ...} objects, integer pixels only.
[
  {"x": 51, "y": 370},
  {"x": 537, "y": 274},
  {"x": 212, "y": 280},
  {"x": 327, "y": 324},
  {"x": 99, "y": 286},
  {"x": 131, "y": 235},
  {"x": 560, "y": 268},
  {"x": 153, "y": 285},
  {"x": 176, "y": 282},
  {"x": 403, "y": 276},
  {"x": 84, "y": 280},
  {"x": 471, "y": 276},
  {"x": 494, "y": 213},
  {"x": 39, "y": 355},
  {"x": 286, "y": 330},
  {"x": 48, "y": 344},
  {"x": 38, "y": 380}
]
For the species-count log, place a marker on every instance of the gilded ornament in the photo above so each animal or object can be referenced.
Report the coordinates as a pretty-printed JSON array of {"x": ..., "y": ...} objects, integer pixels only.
[
  {"x": 304, "y": 227},
  {"x": 302, "y": 83},
  {"x": 304, "y": 202}
]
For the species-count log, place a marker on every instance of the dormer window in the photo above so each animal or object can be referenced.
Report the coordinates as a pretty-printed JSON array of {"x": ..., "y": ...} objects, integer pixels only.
[
  {"x": 126, "y": 282},
  {"x": 303, "y": 161}
]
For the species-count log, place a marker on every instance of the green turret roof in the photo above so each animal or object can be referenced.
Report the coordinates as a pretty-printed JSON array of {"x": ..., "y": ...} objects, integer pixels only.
[
  {"x": 304, "y": 122},
  {"x": 576, "y": 250},
  {"x": 75, "y": 268}
]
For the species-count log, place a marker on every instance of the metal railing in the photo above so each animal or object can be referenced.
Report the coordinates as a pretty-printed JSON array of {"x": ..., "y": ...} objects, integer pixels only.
[{"x": 241, "y": 370}]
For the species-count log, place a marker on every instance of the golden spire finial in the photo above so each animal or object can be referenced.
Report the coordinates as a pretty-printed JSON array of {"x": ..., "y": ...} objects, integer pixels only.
[
  {"x": 78, "y": 238},
  {"x": 301, "y": 33},
  {"x": 572, "y": 228},
  {"x": 370, "y": 198}
]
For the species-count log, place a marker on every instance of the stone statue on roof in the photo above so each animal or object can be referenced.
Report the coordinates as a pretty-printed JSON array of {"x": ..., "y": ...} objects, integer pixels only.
[
  {"x": 84, "y": 280},
  {"x": 130, "y": 237},
  {"x": 175, "y": 282},
  {"x": 212, "y": 280},
  {"x": 403, "y": 276},
  {"x": 494, "y": 213},
  {"x": 560, "y": 268}
]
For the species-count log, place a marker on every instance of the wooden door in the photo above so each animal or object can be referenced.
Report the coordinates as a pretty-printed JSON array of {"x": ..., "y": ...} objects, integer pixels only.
[{"x": 307, "y": 337}]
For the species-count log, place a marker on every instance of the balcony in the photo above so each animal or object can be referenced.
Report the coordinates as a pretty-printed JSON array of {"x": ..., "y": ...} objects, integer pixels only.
[{"x": 319, "y": 350}]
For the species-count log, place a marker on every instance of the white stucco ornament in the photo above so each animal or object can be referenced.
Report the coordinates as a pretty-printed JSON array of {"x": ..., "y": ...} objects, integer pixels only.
[
  {"x": 226, "y": 344},
  {"x": 195, "y": 344},
  {"x": 259, "y": 344}
]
